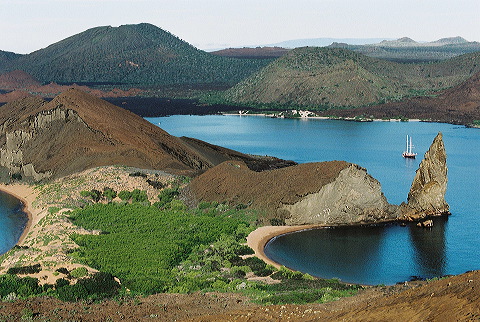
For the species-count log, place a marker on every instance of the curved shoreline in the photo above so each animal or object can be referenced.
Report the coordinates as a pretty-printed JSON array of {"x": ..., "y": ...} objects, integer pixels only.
[
  {"x": 258, "y": 239},
  {"x": 26, "y": 195}
]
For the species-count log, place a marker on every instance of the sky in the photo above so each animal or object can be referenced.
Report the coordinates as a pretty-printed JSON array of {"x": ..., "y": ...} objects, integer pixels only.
[{"x": 29, "y": 25}]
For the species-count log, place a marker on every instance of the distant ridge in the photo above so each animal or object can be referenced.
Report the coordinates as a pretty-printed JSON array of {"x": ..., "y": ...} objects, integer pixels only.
[
  {"x": 402, "y": 50},
  {"x": 322, "y": 42},
  {"x": 321, "y": 78},
  {"x": 129, "y": 54}
]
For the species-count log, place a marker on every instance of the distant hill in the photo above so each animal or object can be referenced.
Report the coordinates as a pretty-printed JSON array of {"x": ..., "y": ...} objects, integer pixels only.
[
  {"x": 404, "y": 49},
  {"x": 322, "y": 42},
  {"x": 17, "y": 79},
  {"x": 6, "y": 57},
  {"x": 254, "y": 53},
  {"x": 407, "y": 50},
  {"x": 129, "y": 54},
  {"x": 334, "y": 77},
  {"x": 76, "y": 131},
  {"x": 458, "y": 105}
]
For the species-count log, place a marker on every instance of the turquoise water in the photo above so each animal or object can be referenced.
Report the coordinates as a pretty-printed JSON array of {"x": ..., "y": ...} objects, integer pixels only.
[
  {"x": 12, "y": 221},
  {"x": 370, "y": 255}
]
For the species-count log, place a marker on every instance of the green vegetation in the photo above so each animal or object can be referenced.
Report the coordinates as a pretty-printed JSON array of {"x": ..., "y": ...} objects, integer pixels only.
[
  {"x": 30, "y": 269},
  {"x": 166, "y": 247},
  {"x": 141, "y": 244},
  {"x": 98, "y": 286},
  {"x": 79, "y": 272}
]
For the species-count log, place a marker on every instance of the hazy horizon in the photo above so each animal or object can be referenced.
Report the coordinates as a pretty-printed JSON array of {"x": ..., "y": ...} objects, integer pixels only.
[{"x": 29, "y": 25}]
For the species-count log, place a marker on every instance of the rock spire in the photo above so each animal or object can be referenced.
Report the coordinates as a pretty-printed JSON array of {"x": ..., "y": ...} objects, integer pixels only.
[{"x": 427, "y": 194}]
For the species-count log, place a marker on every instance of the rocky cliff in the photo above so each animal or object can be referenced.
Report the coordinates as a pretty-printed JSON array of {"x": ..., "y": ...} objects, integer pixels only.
[
  {"x": 427, "y": 194},
  {"x": 353, "y": 197},
  {"x": 334, "y": 192}
]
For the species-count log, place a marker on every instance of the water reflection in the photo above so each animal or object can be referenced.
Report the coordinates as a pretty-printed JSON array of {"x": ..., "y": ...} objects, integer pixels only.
[
  {"x": 340, "y": 252},
  {"x": 429, "y": 245},
  {"x": 367, "y": 255}
]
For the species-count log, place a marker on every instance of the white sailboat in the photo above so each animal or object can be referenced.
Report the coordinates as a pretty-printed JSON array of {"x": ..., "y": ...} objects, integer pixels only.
[{"x": 408, "y": 151}]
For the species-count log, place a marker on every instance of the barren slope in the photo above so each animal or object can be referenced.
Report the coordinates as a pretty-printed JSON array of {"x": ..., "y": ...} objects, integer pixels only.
[{"x": 76, "y": 131}]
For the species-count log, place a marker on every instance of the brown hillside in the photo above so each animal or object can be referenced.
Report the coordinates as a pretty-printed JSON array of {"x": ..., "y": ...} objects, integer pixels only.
[
  {"x": 453, "y": 299},
  {"x": 17, "y": 79},
  {"x": 235, "y": 183},
  {"x": 77, "y": 131},
  {"x": 13, "y": 96},
  {"x": 459, "y": 105}
]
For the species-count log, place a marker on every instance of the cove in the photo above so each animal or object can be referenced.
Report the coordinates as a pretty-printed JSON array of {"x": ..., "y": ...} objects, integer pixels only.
[
  {"x": 368, "y": 255},
  {"x": 13, "y": 221}
]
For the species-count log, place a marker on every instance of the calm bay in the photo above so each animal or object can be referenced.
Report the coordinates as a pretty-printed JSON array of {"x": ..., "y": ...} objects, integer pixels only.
[
  {"x": 12, "y": 221},
  {"x": 368, "y": 255}
]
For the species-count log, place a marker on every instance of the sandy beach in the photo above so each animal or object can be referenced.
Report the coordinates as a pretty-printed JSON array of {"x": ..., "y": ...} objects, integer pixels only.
[
  {"x": 26, "y": 194},
  {"x": 258, "y": 238}
]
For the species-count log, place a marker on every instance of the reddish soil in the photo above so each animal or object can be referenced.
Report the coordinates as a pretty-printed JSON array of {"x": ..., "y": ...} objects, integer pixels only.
[
  {"x": 105, "y": 135},
  {"x": 457, "y": 105},
  {"x": 18, "y": 79},
  {"x": 234, "y": 182},
  {"x": 22, "y": 85},
  {"x": 453, "y": 299}
]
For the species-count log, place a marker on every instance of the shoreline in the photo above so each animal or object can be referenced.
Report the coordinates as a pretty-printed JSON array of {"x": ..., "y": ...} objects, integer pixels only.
[
  {"x": 258, "y": 239},
  {"x": 327, "y": 118},
  {"x": 26, "y": 195}
]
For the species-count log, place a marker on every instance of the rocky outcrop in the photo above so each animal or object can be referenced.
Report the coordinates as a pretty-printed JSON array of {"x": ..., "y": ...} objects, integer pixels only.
[
  {"x": 353, "y": 197},
  {"x": 427, "y": 194},
  {"x": 334, "y": 192},
  {"x": 15, "y": 153}
]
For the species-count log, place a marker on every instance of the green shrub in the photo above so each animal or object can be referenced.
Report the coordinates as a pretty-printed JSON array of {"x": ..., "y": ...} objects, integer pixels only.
[
  {"x": 62, "y": 270},
  {"x": 93, "y": 194},
  {"x": 166, "y": 196},
  {"x": 138, "y": 174},
  {"x": 61, "y": 282},
  {"x": 16, "y": 176},
  {"x": 23, "y": 287},
  {"x": 30, "y": 269},
  {"x": 277, "y": 222},
  {"x": 99, "y": 286},
  {"x": 139, "y": 195},
  {"x": 109, "y": 193},
  {"x": 79, "y": 272},
  {"x": 125, "y": 195}
]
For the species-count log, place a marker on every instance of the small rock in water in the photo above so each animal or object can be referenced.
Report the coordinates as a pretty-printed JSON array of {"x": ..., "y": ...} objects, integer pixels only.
[{"x": 425, "y": 224}]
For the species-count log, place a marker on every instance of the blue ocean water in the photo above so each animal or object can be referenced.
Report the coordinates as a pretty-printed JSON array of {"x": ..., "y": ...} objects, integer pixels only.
[
  {"x": 12, "y": 221},
  {"x": 370, "y": 255}
]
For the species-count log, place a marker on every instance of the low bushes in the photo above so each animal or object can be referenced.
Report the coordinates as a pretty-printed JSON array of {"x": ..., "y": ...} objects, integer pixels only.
[{"x": 98, "y": 286}]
